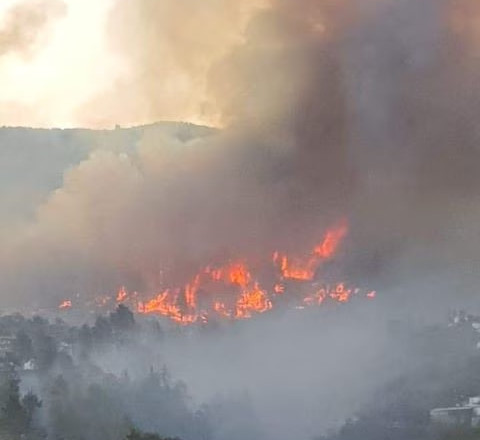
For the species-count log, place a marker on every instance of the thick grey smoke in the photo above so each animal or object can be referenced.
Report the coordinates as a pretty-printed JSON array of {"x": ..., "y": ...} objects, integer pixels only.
[
  {"x": 332, "y": 111},
  {"x": 414, "y": 142},
  {"x": 300, "y": 374},
  {"x": 25, "y": 23}
]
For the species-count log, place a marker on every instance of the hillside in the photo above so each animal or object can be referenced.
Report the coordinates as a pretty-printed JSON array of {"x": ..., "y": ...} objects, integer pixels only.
[{"x": 32, "y": 161}]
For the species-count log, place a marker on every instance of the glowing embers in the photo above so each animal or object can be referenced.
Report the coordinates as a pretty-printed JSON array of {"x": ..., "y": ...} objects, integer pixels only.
[
  {"x": 251, "y": 301},
  {"x": 122, "y": 294},
  {"x": 65, "y": 304},
  {"x": 339, "y": 293}
]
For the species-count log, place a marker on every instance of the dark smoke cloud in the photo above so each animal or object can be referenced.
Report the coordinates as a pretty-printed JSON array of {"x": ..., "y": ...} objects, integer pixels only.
[
  {"x": 24, "y": 24},
  {"x": 331, "y": 110},
  {"x": 414, "y": 141}
]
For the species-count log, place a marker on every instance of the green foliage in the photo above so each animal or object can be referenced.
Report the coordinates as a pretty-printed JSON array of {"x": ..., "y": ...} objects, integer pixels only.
[
  {"x": 16, "y": 414},
  {"x": 79, "y": 400},
  {"x": 23, "y": 347},
  {"x": 443, "y": 370},
  {"x": 45, "y": 350},
  {"x": 122, "y": 319},
  {"x": 79, "y": 413}
]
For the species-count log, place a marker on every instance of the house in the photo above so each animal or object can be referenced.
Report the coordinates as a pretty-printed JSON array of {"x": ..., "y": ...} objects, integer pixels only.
[
  {"x": 457, "y": 416},
  {"x": 465, "y": 415}
]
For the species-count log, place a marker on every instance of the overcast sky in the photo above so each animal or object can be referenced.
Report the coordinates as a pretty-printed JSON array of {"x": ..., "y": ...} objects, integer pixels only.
[{"x": 65, "y": 65}]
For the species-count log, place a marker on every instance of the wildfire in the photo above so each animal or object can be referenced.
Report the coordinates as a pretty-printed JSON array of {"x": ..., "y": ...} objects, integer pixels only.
[
  {"x": 303, "y": 269},
  {"x": 331, "y": 242},
  {"x": 253, "y": 301},
  {"x": 65, "y": 304},
  {"x": 122, "y": 294},
  {"x": 235, "y": 293}
]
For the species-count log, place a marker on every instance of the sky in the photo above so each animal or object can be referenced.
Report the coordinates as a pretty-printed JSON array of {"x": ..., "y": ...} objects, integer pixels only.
[
  {"x": 61, "y": 58},
  {"x": 43, "y": 87}
]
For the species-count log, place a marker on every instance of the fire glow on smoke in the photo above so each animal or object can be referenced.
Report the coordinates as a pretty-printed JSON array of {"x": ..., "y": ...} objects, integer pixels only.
[{"x": 233, "y": 292}]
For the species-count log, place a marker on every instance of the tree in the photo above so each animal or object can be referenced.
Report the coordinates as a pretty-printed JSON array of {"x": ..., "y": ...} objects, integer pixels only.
[
  {"x": 23, "y": 347},
  {"x": 30, "y": 403},
  {"x": 12, "y": 416},
  {"x": 122, "y": 319},
  {"x": 46, "y": 350},
  {"x": 102, "y": 330},
  {"x": 16, "y": 414}
]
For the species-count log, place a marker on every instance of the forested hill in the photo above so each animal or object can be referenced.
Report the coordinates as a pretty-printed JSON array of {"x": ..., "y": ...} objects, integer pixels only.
[
  {"x": 33, "y": 161},
  {"x": 54, "y": 385},
  {"x": 441, "y": 368}
]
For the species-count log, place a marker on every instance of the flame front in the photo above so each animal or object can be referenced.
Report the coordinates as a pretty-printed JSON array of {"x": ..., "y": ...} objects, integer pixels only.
[{"x": 233, "y": 292}]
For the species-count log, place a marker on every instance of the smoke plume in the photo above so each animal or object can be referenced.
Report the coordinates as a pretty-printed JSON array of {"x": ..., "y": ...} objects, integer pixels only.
[
  {"x": 25, "y": 23},
  {"x": 169, "y": 48},
  {"x": 330, "y": 111}
]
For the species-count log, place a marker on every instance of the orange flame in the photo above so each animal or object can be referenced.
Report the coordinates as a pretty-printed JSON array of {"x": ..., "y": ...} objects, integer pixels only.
[
  {"x": 255, "y": 300},
  {"x": 331, "y": 242},
  {"x": 122, "y": 295},
  {"x": 239, "y": 274},
  {"x": 304, "y": 269},
  {"x": 235, "y": 293},
  {"x": 191, "y": 292}
]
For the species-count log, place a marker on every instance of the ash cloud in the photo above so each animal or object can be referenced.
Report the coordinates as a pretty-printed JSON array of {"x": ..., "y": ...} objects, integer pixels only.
[{"x": 25, "y": 24}]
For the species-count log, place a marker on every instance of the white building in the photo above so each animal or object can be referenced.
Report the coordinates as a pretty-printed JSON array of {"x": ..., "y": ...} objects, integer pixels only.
[{"x": 467, "y": 414}]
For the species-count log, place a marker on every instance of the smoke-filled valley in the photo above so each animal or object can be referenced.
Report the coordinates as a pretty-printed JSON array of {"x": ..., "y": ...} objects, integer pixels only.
[{"x": 287, "y": 260}]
